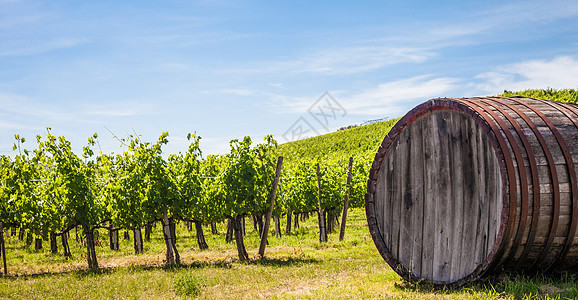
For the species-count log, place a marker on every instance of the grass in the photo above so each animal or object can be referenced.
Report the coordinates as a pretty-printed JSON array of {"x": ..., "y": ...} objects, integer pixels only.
[{"x": 295, "y": 266}]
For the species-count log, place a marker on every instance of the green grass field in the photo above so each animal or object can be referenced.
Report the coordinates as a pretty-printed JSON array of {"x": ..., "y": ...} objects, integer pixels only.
[{"x": 296, "y": 266}]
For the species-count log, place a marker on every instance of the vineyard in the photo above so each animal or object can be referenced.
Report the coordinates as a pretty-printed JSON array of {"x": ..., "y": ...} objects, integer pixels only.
[
  {"x": 48, "y": 191},
  {"x": 53, "y": 198}
]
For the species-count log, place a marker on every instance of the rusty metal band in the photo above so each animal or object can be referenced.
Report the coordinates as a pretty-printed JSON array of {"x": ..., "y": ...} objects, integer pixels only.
[
  {"x": 511, "y": 178},
  {"x": 535, "y": 179},
  {"x": 555, "y": 187},
  {"x": 570, "y": 106},
  {"x": 574, "y": 183},
  {"x": 521, "y": 170}
]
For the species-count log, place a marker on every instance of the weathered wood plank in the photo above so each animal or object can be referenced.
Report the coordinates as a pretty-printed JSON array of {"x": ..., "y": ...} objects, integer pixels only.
[
  {"x": 473, "y": 236},
  {"x": 397, "y": 193},
  {"x": 441, "y": 249},
  {"x": 406, "y": 186},
  {"x": 390, "y": 198},
  {"x": 382, "y": 206},
  {"x": 492, "y": 209},
  {"x": 458, "y": 158},
  {"x": 478, "y": 210},
  {"x": 431, "y": 162},
  {"x": 417, "y": 170}
]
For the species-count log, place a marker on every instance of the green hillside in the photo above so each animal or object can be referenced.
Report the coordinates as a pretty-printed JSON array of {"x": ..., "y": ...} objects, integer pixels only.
[
  {"x": 564, "y": 95},
  {"x": 361, "y": 142},
  {"x": 332, "y": 151}
]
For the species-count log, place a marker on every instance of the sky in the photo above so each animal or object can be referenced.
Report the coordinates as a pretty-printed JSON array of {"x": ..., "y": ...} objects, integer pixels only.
[{"x": 228, "y": 69}]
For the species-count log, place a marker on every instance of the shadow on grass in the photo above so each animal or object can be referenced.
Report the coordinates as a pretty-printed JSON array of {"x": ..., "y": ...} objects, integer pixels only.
[
  {"x": 274, "y": 262},
  {"x": 281, "y": 262},
  {"x": 225, "y": 264},
  {"x": 540, "y": 286},
  {"x": 78, "y": 273}
]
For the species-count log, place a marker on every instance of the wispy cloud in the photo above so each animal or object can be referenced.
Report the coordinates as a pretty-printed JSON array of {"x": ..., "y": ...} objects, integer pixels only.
[
  {"x": 20, "y": 49},
  {"x": 560, "y": 72},
  {"x": 237, "y": 92},
  {"x": 14, "y": 17},
  {"x": 37, "y": 113},
  {"x": 396, "y": 97},
  {"x": 283, "y": 104},
  {"x": 417, "y": 43},
  {"x": 338, "y": 61},
  {"x": 386, "y": 99},
  {"x": 9, "y": 125},
  {"x": 120, "y": 109},
  {"x": 359, "y": 59},
  {"x": 40, "y": 113},
  {"x": 392, "y": 98},
  {"x": 500, "y": 22},
  {"x": 533, "y": 11},
  {"x": 115, "y": 113}
]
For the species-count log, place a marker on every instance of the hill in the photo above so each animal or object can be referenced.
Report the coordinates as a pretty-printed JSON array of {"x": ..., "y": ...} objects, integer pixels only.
[
  {"x": 361, "y": 142},
  {"x": 563, "y": 95}
]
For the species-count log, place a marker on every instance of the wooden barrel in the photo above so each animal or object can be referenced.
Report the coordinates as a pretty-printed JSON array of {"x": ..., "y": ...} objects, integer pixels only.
[{"x": 461, "y": 188}]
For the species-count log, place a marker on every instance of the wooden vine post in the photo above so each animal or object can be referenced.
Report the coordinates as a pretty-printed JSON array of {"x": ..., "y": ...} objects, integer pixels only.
[
  {"x": 3, "y": 248},
  {"x": 322, "y": 231},
  {"x": 270, "y": 211},
  {"x": 346, "y": 200},
  {"x": 167, "y": 234}
]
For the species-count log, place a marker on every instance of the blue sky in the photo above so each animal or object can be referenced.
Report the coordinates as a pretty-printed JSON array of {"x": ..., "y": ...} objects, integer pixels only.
[{"x": 226, "y": 69}]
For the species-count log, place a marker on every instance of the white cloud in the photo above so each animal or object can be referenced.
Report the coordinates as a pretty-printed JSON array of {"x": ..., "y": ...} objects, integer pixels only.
[
  {"x": 560, "y": 72},
  {"x": 114, "y": 113},
  {"x": 291, "y": 104},
  {"x": 173, "y": 67},
  {"x": 38, "y": 48},
  {"x": 118, "y": 109},
  {"x": 394, "y": 98},
  {"x": 9, "y": 125},
  {"x": 356, "y": 60},
  {"x": 520, "y": 20},
  {"x": 337, "y": 61},
  {"x": 386, "y": 99},
  {"x": 17, "y": 105},
  {"x": 277, "y": 85},
  {"x": 237, "y": 92},
  {"x": 419, "y": 42},
  {"x": 397, "y": 97},
  {"x": 533, "y": 11},
  {"x": 39, "y": 113}
]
